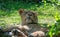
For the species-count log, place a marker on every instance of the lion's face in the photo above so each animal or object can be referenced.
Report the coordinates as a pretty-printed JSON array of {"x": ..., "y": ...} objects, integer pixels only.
[{"x": 28, "y": 17}]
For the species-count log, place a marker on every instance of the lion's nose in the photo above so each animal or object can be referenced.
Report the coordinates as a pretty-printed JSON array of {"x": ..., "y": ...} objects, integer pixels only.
[{"x": 28, "y": 17}]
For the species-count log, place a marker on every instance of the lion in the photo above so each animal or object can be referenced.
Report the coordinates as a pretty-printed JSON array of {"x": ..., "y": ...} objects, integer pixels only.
[{"x": 28, "y": 17}]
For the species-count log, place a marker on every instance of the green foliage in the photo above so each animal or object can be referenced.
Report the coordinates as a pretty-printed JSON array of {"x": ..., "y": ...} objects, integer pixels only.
[{"x": 55, "y": 27}]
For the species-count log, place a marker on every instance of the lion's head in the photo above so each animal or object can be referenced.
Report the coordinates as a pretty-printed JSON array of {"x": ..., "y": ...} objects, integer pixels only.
[{"x": 28, "y": 16}]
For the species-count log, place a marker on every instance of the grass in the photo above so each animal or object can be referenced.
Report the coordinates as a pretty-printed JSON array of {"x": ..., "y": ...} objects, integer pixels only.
[{"x": 9, "y": 13}]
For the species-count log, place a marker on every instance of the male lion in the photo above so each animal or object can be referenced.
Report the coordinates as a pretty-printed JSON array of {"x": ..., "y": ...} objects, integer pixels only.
[{"x": 30, "y": 19}]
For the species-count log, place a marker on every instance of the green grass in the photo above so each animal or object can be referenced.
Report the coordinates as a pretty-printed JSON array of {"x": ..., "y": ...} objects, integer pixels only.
[{"x": 9, "y": 15}]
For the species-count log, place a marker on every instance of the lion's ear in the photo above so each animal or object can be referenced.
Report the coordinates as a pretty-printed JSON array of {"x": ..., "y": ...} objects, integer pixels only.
[
  {"x": 21, "y": 11},
  {"x": 36, "y": 13}
]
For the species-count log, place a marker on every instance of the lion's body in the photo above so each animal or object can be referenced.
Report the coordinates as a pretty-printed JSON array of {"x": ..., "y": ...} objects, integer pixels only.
[
  {"x": 30, "y": 19},
  {"x": 18, "y": 33}
]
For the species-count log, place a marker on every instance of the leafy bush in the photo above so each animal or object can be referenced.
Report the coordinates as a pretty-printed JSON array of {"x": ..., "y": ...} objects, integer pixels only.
[{"x": 55, "y": 27}]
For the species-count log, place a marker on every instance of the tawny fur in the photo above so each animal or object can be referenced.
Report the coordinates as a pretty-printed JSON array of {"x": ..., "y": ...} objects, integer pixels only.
[
  {"x": 30, "y": 19},
  {"x": 18, "y": 33},
  {"x": 23, "y": 29},
  {"x": 38, "y": 34}
]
